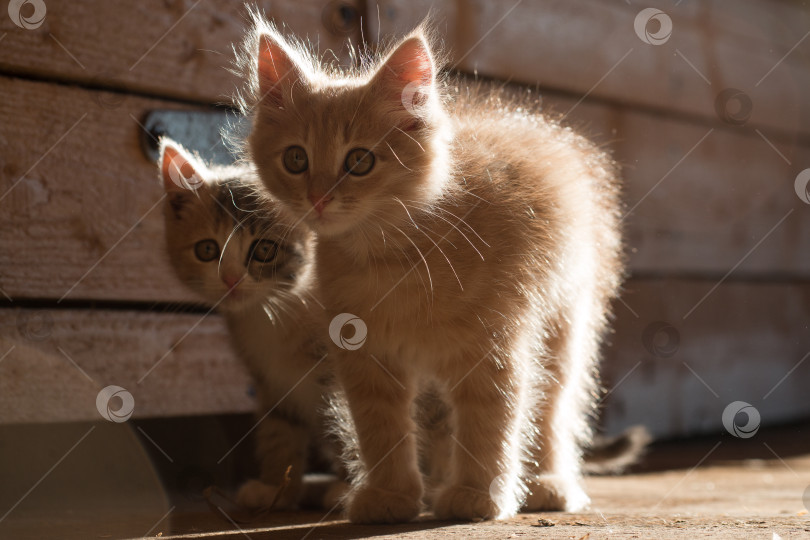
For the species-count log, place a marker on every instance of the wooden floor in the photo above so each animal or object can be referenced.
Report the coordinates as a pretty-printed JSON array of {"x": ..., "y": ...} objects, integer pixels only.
[{"x": 714, "y": 487}]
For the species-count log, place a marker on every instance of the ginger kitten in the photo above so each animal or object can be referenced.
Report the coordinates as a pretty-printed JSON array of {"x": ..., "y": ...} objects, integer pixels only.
[
  {"x": 477, "y": 240},
  {"x": 229, "y": 247}
]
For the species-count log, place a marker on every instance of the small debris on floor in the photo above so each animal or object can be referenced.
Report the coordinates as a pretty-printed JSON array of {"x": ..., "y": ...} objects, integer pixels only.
[{"x": 542, "y": 522}]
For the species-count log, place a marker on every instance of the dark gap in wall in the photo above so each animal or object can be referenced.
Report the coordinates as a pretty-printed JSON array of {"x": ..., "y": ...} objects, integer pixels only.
[
  {"x": 690, "y": 118},
  {"x": 769, "y": 278},
  {"x": 111, "y": 305},
  {"x": 120, "y": 90}
]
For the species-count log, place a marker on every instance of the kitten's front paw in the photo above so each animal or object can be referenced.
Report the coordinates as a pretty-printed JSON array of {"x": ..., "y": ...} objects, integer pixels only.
[
  {"x": 551, "y": 492},
  {"x": 374, "y": 505},
  {"x": 462, "y": 502},
  {"x": 256, "y": 495}
]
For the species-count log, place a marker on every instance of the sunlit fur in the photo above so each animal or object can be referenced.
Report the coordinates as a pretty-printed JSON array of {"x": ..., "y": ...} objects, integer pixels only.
[
  {"x": 481, "y": 251},
  {"x": 267, "y": 313}
]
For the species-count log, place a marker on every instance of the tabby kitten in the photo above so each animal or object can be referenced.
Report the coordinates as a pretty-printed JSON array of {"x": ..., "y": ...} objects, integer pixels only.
[
  {"x": 478, "y": 241},
  {"x": 236, "y": 255}
]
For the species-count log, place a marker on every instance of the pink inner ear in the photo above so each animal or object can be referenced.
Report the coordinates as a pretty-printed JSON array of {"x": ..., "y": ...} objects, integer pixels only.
[
  {"x": 411, "y": 62},
  {"x": 274, "y": 65},
  {"x": 174, "y": 168}
]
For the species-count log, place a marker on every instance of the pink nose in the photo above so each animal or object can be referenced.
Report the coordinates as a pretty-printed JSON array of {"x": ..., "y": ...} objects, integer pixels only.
[
  {"x": 319, "y": 201},
  {"x": 231, "y": 281}
]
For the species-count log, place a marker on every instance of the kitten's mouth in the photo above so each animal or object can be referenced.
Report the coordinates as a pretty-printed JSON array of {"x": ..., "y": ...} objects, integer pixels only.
[
  {"x": 318, "y": 219},
  {"x": 232, "y": 297}
]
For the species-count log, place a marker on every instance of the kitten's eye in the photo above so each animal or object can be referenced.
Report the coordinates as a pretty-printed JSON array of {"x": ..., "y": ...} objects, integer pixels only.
[
  {"x": 263, "y": 250},
  {"x": 295, "y": 159},
  {"x": 359, "y": 161},
  {"x": 206, "y": 250}
]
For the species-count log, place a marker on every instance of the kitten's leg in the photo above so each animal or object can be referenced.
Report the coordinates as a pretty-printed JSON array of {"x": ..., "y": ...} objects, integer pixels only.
[
  {"x": 487, "y": 406},
  {"x": 432, "y": 415},
  {"x": 389, "y": 488},
  {"x": 280, "y": 443},
  {"x": 568, "y": 388}
]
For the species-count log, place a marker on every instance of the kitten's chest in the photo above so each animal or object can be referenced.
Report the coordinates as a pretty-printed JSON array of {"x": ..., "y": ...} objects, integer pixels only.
[
  {"x": 281, "y": 349},
  {"x": 375, "y": 284}
]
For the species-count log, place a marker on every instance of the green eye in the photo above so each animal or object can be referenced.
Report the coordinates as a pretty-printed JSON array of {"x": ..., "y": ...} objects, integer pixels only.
[
  {"x": 359, "y": 161},
  {"x": 263, "y": 250},
  {"x": 206, "y": 250},
  {"x": 295, "y": 159}
]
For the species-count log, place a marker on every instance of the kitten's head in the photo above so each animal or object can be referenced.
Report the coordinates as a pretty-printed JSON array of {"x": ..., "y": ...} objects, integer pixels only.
[
  {"x": 224, "y": 239},
  {"x": 340, "y": 150}
]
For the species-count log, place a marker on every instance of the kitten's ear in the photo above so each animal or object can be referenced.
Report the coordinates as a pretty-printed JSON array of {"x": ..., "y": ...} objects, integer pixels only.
[
  {"x": 411, "y": 62},
  {"x": 407, "y": 77},
  {"x": 180, "y": 172},
  {"x": 277, "y": 68}
]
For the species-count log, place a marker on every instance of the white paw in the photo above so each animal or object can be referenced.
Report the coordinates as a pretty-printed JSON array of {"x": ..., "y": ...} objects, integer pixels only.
[
  {"x": 551, "y": 492},
  {"x": 374, "y": 505},
  {"x": 462, "y": 502},
  {"x": 256, "y": 495}
]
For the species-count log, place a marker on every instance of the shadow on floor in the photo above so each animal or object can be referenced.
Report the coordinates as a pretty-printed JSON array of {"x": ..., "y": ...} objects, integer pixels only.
[{"x": 780, "y": 442}]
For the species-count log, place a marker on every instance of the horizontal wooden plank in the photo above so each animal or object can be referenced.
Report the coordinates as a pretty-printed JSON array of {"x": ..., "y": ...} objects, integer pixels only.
[
  {"x": 688, "y": 350},
  {"x": 590, "y": 47},
  {"x": 180, "y": 49},
  {"x": 55, "y": 363},
  {"x": 701, "y": 199},
  {"x": 742, "y": 342},
  {"x": 79, "y": 210},
  {"x": 77, "y": 195}
]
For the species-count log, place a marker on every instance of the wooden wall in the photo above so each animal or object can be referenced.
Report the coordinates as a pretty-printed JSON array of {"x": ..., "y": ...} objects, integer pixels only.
[{"x": 712, "y": 128}]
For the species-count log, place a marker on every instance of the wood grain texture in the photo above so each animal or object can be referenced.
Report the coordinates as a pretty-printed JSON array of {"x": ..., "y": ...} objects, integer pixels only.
[
  {"x": 57, "y": 361},
  {"x": 80, "y": 210},
  {"x": 590, "y": 47},
  {"x": 80, "y": 204},
  {"x": 743, "y": 342},
  {"x": 176, "y": 48},
  {"x": 702, "y": 199}
]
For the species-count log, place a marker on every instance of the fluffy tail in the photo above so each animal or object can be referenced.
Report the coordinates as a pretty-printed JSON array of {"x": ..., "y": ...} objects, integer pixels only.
[{"x": 612, "y": 455}]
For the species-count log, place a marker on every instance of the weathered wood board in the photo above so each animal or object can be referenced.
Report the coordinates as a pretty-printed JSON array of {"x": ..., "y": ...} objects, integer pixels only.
[
  {"x": 79, "y": 196},
  {"x": 738, "y": 342},
  {"x": 177, "y": 48},
  {"x": 56, "y": 361},
  {"x": 80, "y": 203},
  {"x": 591, "y": 47},
  {"x": 701, "y": 199},
  {"x": 743, "y": 342}
]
